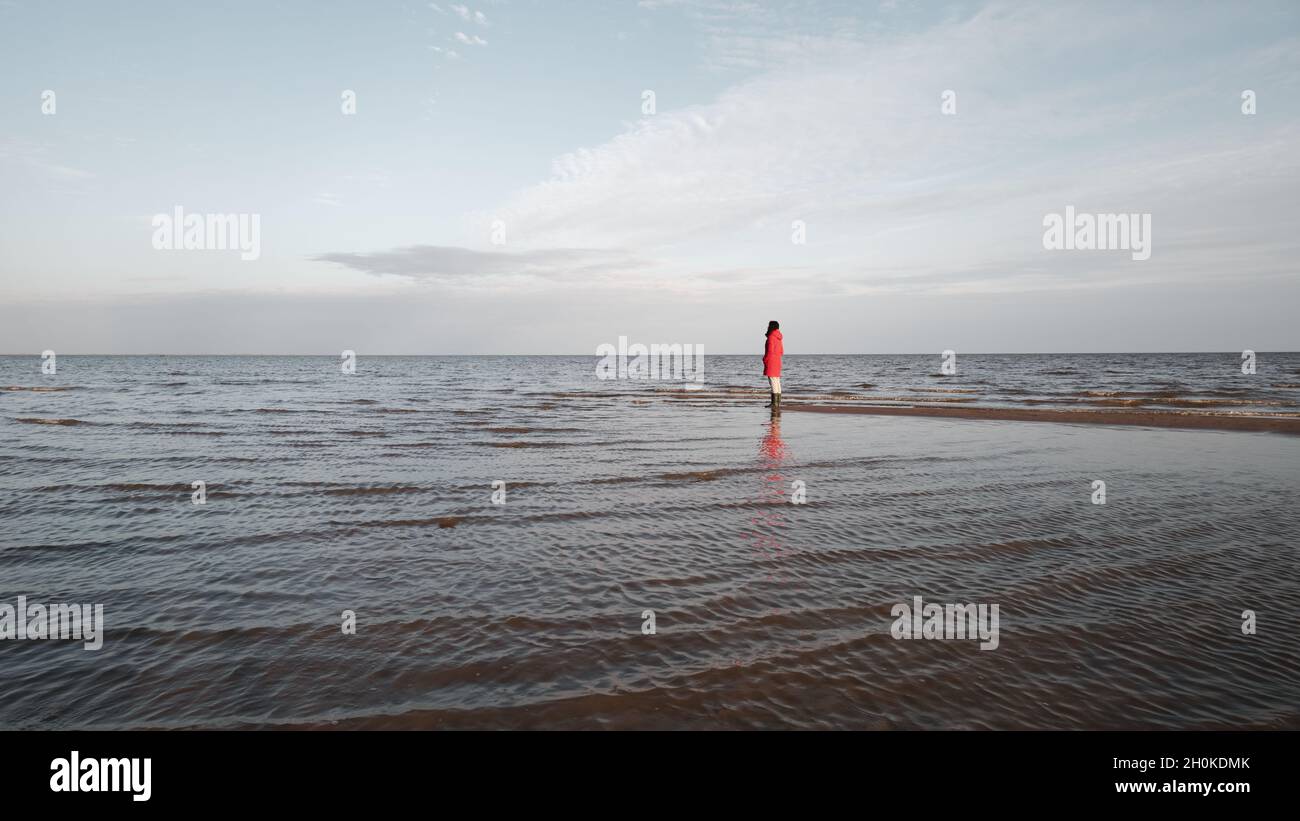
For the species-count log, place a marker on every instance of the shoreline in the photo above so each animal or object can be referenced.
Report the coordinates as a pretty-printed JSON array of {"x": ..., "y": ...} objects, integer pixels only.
[{"x": 1151, "y": 419}]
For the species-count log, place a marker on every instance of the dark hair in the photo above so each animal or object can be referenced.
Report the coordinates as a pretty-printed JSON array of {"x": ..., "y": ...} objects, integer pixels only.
[{"x": 772, "y": 326}]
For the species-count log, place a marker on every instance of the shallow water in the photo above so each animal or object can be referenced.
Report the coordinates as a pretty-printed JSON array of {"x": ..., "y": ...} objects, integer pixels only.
[
  {"x": 372, "y": 492},
  {"x": 1200, "y": 382}
]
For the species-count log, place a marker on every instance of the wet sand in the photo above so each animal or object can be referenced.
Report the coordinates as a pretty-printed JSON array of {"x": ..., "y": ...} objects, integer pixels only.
[{"x": 1144, "y": 418}]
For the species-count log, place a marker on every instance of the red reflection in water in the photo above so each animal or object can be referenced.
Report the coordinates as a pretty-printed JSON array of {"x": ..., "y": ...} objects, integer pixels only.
[
  {"x": 767, "y": 526},
  {"x": 769, "y": 522}
]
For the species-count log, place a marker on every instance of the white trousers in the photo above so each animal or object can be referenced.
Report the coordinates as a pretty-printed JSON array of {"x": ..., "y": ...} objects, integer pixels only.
[{"x": 775, "y": 382}]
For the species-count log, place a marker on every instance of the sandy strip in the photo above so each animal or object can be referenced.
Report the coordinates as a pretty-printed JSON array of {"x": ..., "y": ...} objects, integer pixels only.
[{"x": 1152, "y": 419}]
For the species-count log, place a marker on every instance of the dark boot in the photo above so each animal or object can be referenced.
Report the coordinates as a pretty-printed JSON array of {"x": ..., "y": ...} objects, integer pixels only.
[
  {"x": 771, "y": 403},
  {"x": 776, "y": 403}
]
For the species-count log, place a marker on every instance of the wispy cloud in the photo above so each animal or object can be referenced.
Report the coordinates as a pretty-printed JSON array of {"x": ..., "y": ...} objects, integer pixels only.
[
  {"x": 470, "y": 16},
  {"x": 35, "y": 156},
  {"x": 851, "y": 141}
]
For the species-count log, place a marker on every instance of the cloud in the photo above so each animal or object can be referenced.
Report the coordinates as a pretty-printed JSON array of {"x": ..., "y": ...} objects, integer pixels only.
[
  {"x": 36, "y": 156},
  {"x": 65, "y": 172},
  {"x": 470, "y": 39},
  {"x": 466, "y": 266},
  {"x": 470, "y": 16},
  {"x": 846, "y": 134}
]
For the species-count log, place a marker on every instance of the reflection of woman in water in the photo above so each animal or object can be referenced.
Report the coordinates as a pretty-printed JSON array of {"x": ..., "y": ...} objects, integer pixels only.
[
  {"x": 772, "y": 352},
  {"x": 766, "y": 533},
  {"x": 773, "y": 448},
  {"x": 769, "y": 521}
]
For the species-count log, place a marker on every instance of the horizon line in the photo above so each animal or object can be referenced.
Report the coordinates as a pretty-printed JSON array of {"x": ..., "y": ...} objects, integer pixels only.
[{"x": 894, "y": 353}]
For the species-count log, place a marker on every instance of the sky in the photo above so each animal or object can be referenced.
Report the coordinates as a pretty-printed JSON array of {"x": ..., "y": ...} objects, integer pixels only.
[{"x": 874, "y": 175}]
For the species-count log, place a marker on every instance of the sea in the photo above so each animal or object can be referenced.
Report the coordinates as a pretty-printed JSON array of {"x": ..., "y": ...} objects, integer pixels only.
[{"x": 512, "y": 542}]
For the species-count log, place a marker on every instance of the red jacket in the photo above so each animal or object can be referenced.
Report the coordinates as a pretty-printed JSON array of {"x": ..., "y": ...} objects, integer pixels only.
[{"x": 772, "y": 354}]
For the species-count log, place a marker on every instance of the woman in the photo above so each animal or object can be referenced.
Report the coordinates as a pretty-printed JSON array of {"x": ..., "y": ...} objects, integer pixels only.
[{"x": 772, "y": 363}]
